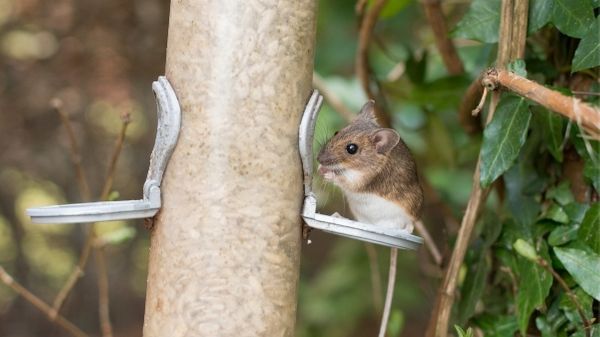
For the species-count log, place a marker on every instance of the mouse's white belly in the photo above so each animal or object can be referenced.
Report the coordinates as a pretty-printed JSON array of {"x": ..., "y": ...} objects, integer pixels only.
[{"x": 373, "y": 209}]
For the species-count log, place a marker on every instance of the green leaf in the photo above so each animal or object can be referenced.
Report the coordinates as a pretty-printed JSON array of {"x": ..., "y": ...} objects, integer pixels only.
[
  {"x": 481, "y": 22},
  {"x": 561, "y": 194},
  {"x": 556, "y": 213},
  {"x": 525, "y": 249},
  {"x": 522, "y": 205},
  {"x": 589, "y": 232},
  {"x": 587, "y": 54},
  {"x": 392, "y": 8},
  {"x": 540, "y": 12},
  {"x": 503, "y": 138},
  {"x": 566, "y": 304},
  {"x": 463, "y": 333},
  {"x": 473, "y": 287},
  {"x": 396, "y": 323},
  {"x": 583, "y": 266},
  {"x": 595, "y": 332},
  {"x": 535, "y": 283},
  {"x": 573, "y": 18},
  {"x": 562, "y": 234},
  {"x": 591, "y": 171},
  {"x": 552, "y": 131},
  {"x": 118, "y": 236},
  {"x": 497, "y": 326},
  {"x": 518, "y": 67}
]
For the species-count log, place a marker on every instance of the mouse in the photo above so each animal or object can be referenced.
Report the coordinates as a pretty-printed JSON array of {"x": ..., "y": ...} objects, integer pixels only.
[{"x": 378, "y": 176}]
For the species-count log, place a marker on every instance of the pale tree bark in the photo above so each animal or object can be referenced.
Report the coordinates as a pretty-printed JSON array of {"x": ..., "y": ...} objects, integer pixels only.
[{"x": 224, "y": 255}]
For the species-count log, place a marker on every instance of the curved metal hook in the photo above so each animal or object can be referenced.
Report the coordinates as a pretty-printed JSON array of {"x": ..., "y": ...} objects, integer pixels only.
[{"x": 167, "y": 132}]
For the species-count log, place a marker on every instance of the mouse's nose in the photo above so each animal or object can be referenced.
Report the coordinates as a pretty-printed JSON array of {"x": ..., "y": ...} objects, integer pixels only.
[{"x": 325, "y": 158}]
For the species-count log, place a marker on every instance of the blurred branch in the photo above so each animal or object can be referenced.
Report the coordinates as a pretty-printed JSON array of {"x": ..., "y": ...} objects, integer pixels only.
[
  {"x": 471, "y": 123},
  {"x": 438, "y": 324},
  {"x": 40, "y": 305},
  {"x": 362, "y": 68},
  {"x": 389, "y": 292},
  {"x": 126, "y": 119},
  {"x": 375, "y": 276},
  {"x": 587, "y": 325},
  {"x": 437, "y": 21},
  {"x": 331, "y": 98},
  {"x": 82, "y": 182},
  {"x": 103, "y": 293},
  {"x": 429, "y": 243},
  {"x": 89, "y": 244},
  {"x": 570, "y": 107}
]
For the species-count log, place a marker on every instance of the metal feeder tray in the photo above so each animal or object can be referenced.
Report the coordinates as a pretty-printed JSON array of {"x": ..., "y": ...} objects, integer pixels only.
[
  {"x": 167, "y": 132},
  {"x": 395, "y": 238}
]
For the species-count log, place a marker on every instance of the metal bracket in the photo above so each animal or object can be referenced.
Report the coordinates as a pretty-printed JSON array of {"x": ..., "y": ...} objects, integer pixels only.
[
  {"x": 396, "y": 238},
  {"x": 167, "y": 132}
]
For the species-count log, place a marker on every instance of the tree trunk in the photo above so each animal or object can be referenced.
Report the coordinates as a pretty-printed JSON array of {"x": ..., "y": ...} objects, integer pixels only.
[{"x": 225, "y": 248}]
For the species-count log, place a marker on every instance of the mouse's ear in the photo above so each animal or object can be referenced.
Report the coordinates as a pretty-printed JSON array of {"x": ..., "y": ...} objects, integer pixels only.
[
  {"x": 368, "y": 112},
  {"x": 385, "y": 139}
]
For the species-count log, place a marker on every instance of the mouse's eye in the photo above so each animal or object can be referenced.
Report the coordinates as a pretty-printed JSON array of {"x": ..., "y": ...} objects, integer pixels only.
[
  {"x": 352, "y": 148},
  {"x": 335, "y": 133}
]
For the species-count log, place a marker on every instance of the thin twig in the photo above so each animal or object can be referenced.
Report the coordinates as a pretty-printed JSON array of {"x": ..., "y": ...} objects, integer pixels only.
[
  {"x": 82, "y": 182},
  {"x": 586, "y": 323},
  {"x": 375, "y": 276},
  {"x": 570, "y": 107},
  {"x": 467, "y": 118},
  {"x": 438, "y": 324},
  {"x": 331, "y": 98},
  {"x": 40, "y": 305},
  {"x": 103, "y": 293},
  {"x": 91, "y": 236},
  {"x": 115, "y": 157},
  {"x": 362, "y": 68},
  {"x": 437, "y": 21},
  {"x": 429, "y": 243},
  {"x": 390, "y": 292}
]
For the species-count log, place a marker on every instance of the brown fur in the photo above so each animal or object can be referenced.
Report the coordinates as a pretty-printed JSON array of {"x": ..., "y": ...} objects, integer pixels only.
[{"x": 391, "y": 175}]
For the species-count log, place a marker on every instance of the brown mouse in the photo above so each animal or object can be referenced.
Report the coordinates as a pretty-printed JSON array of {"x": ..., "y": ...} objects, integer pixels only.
[
  {"x": 378, "y": 176},
  {"x": 376, "y": 172}
]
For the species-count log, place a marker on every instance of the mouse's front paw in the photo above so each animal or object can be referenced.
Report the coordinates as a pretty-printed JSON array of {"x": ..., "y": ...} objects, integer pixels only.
[{"x": 337, "y": 215}]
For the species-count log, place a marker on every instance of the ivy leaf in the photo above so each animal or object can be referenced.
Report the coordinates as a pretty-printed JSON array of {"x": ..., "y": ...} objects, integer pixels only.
[
  {"x": 518, "y": 67},
  {"x": 566, "y": 304},
  {"x": 589, "y": 232},
  {"x": 481, "y": 23},
  {"x": 587, "y": 54},
  {"x": 562, "y": 234},
  {"x": 591, "y": 171},
  {"x": 535, "y": 284},
  {"x": 503, "y": 138},
  {"x": 497, "y": 326},
  {"x": 552, "y": 125},
  {"x": 556, "y": 213},
  {"x": 540, "y": 12},
  {"x": 561, "y": 194},
  {"x": 573, "y": 18},
  {"x": 473, "y": 286},
  {"x": 583, "y": 266}
]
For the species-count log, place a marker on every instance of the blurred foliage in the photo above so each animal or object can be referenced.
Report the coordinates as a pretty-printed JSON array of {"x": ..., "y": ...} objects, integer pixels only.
[{"x": 99, "y": 58}]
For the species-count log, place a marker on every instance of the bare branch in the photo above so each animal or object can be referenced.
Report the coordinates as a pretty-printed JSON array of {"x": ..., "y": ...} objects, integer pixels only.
[
  {"x": 362, "y": 68},
  {"x": 84, "y": 188},
  {"x": 570, "y": 107},
  {"x": 40, "y": 305},
  {"x": 438, "y": 324},
  {"x": 115, "y": 157},
  {"x": 437, "y": 21},
  {"x": 103, "y": 293},
  {"x": 375, "y": 276}
]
